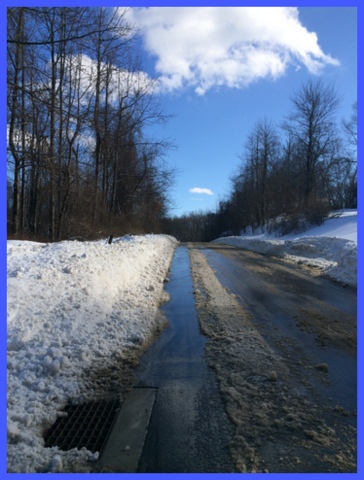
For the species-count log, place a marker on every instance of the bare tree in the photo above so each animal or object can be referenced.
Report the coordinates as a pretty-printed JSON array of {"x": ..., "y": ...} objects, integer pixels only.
[
  {"x": 311, "y": 126},
  {"x": 351, "y": 126},
  {"x": 78, "y": 103},
  {"x": 16, "y": 106},
  {"x": 261, "y": 150},
  {"x": 286, "y": 185}
]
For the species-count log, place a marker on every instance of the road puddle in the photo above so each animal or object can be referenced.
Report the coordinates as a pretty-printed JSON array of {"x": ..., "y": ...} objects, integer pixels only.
[{"x": 189, "y": 430}]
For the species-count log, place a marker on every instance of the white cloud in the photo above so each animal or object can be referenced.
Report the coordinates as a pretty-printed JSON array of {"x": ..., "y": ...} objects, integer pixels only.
[
  {"x": 203, "y": 47},
  {"x": 122, "y": 82},
  {"x": 203, "y": 191}
]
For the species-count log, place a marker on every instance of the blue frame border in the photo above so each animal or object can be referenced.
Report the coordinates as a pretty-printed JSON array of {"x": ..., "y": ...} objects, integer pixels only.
[{"x": 140, "y": 3}]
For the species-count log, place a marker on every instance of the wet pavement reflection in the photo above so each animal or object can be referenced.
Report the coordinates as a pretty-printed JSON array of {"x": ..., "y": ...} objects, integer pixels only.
[{"x": 189, "y": 430}]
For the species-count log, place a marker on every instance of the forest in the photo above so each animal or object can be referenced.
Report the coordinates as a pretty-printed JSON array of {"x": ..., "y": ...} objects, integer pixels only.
[
  {"x": 79, "y": 162},
  {"x": 80, "y": 165}
]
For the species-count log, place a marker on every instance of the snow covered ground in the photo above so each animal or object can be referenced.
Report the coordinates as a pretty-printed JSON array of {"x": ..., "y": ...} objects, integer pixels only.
[
  {"x": 71, "y": 307},
  {"x": 332, "y": 247}
]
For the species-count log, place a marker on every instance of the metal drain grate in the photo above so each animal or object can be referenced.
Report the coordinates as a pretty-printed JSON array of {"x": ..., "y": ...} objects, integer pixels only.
[{"x": 86, "y": 425}]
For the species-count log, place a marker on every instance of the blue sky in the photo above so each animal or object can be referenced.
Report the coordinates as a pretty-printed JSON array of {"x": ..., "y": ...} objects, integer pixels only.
[{"x": 215, "y": 108}]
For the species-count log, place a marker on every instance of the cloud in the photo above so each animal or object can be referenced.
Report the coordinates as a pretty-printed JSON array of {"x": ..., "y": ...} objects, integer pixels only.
[
  {"x": 122, "y": 82},
  {"x": 202, "y": 191},
  {"x": 205, "y": 47}
]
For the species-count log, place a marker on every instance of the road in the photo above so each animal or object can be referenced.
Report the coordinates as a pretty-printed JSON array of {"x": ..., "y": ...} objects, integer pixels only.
[
  {"x": 256, "y": 371},
  {"x": 189, "y": 430},
  {"x": 282, "y": 340}
]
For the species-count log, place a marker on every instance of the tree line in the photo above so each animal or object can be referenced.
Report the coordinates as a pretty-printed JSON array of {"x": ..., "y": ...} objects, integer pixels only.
[
  {"x": 289, "y": 176},
  {"x": 81, "y": 165},
  {"x": 78, "y": 104}
]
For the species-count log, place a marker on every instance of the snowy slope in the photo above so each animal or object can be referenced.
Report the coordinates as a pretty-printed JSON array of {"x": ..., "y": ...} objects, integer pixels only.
[
  {"x": 332, "y": 247},
  {"x": 73, "y": 307},
  {"x": 340, "y": 225}
]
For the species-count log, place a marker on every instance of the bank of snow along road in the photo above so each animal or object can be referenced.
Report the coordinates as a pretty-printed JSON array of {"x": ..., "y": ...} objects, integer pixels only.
[{"x": 80, "y": 314}]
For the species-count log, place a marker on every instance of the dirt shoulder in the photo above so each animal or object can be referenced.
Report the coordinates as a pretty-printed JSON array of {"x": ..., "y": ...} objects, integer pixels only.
[{"x": 279, "y": 427}]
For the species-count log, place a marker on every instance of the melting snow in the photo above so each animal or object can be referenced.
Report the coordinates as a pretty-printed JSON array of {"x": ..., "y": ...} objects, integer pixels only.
[
  {"x": 71, "y": 304},
  {"x": 332, "y": 247}
]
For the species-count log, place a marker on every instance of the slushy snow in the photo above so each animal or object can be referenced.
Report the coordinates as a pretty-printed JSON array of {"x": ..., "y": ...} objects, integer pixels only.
[
  {"x": 331, "y": 247},
  {"x": 75, "y": 305}
]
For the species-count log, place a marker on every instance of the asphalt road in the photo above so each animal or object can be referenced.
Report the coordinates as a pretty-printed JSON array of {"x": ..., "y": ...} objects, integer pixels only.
[
  {"x": 189, "y": 431},
  {"x": 306, "y": 321},
  {"x": 309, "y": 323}
]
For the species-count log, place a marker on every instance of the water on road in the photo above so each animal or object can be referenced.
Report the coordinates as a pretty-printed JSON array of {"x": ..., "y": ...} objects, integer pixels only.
[{"x": 189, "y": 430}]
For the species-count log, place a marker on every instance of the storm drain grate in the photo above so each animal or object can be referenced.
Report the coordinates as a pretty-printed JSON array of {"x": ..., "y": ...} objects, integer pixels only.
[{"x": 86, "y": 425}]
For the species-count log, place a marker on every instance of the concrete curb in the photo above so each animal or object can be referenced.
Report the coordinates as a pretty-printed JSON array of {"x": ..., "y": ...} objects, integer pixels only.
[{"x": 125, "y": 443}]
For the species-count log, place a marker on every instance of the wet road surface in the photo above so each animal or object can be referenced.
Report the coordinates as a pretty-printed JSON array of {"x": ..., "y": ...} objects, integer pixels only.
[
  {"x": 281, "y": 298},
  {"x": 309, "y": 321},
  {"x": 189, "y": 430}
]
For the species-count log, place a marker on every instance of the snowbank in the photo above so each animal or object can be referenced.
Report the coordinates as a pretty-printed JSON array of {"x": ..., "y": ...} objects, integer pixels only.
[
  {"x": 72, "y": 308},
  {"x": 332, "y": 247}
]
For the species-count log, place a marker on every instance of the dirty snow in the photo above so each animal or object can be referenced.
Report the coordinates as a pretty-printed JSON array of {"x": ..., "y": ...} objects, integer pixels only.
[
  {"x": 332, "y": 247},
  {"x": 73, "y": 307},
  {"x": 279, "y": 426}
]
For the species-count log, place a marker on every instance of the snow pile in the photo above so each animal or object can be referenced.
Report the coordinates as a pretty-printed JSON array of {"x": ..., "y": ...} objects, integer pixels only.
[
  {"x": 73, "y": 307},
  {"x": 332, "y": 247}
]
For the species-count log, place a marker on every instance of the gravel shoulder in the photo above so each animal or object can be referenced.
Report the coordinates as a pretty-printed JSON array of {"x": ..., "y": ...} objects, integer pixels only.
[{"x": 281, "y": 422}]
